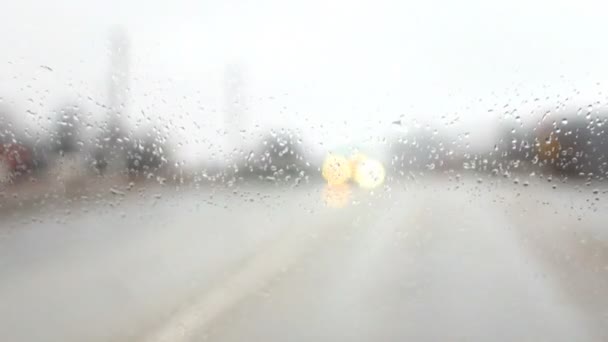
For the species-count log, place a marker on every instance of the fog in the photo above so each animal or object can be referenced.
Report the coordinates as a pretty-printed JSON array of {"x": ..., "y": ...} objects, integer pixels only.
[
  {"x": 344, "y": 170},
  {"x": 358, "y": 65}
]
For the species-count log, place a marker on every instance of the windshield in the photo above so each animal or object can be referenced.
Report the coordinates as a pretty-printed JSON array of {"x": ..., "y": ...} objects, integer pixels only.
[{"x": 277, "y": 170}]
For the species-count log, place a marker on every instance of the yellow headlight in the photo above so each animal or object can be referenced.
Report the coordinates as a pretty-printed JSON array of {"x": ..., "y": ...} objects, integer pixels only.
[
  {"x": 336, "y": 169},
  {"x": 355, "y": 160}
]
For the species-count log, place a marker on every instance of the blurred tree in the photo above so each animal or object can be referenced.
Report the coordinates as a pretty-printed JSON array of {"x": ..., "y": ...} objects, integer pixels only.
[
  {"x": 515, "y": 149},
  {"x": 146, "y": 156},
  {"x": 8, "y": 130},
  {"x": 419, "y": 150},
  {"x": 564, "y": 142},
  {"x": 279, "y": 155},
  {"x": 100, "y": 162},
  {"x": 67, "y": 131},
  {"x": 575, "y": 145}
]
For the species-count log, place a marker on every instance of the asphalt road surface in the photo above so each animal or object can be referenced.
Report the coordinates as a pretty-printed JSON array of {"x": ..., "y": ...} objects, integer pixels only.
[{"x": 430, "y": 260}]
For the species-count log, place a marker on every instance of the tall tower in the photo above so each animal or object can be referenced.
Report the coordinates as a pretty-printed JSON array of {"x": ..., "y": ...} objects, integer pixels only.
[
  {"x": 109, "y": 153},
  {"x": 118, "y": 84},
  {"x": 234, "y": 104}
]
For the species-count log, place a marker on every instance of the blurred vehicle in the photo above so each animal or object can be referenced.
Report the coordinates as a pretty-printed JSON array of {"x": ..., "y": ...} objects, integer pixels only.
[
  {"x": 575, "y": 146},
  {"x": 15, "y": 161},
  {"x": 367, "y": 173},
  {"x": 571, "y": 144}
]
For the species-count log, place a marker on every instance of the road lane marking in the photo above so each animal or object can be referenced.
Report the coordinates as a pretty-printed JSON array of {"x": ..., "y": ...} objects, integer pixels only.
[{"x": 279, "y": 255}]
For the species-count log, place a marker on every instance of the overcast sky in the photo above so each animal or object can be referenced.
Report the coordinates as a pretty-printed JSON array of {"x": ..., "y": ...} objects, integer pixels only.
[{"x": 341, "y": 71}]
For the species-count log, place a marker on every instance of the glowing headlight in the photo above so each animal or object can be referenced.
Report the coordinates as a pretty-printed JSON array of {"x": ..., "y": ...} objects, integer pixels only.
[
  {"x": 369, "y": 174},
  {"x": 355, "y": 160},
  {"x": 336, "y": 169}
]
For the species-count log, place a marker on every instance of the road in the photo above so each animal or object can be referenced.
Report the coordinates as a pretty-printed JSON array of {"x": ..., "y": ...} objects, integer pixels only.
[{"x": 428, "y": 260}]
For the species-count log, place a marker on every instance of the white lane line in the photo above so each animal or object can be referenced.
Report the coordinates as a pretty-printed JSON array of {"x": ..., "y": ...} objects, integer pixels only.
[{"x": 254, "y": 275}]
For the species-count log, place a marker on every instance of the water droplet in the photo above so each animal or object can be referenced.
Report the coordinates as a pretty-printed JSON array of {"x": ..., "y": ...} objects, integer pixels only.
[{"x": 116, "y": 192}]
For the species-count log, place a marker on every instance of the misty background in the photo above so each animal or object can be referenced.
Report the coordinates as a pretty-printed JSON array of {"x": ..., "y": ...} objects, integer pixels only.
[{"x": 340, "y": 71}]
